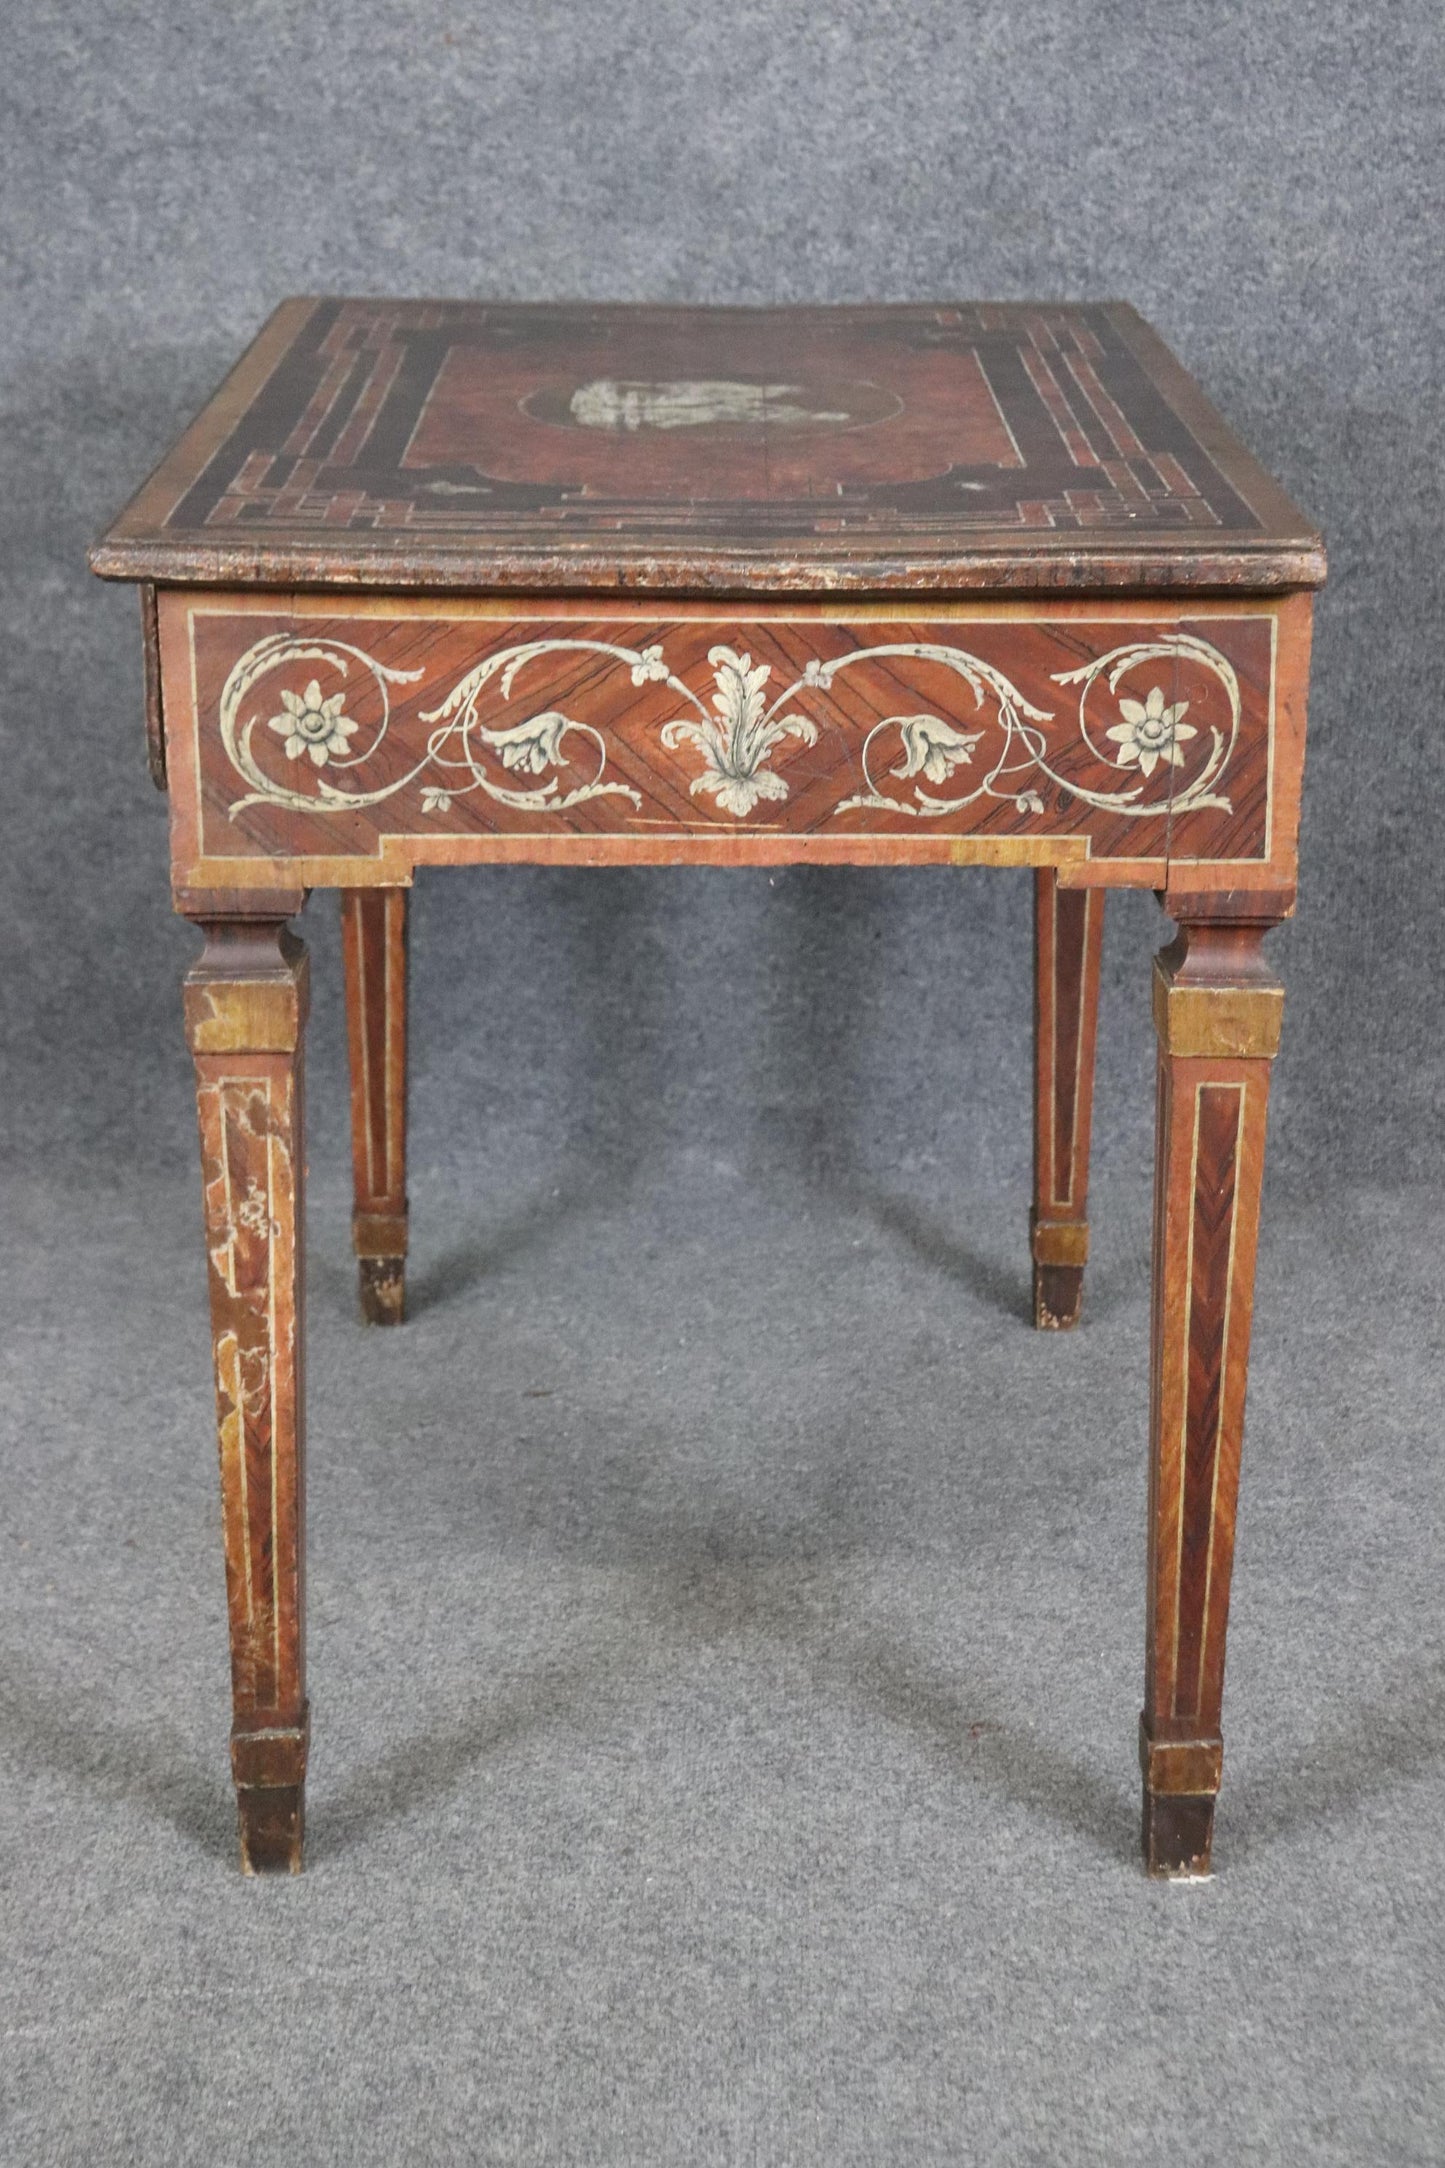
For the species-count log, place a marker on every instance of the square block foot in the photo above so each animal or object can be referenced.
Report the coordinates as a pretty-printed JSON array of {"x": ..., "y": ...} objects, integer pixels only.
[
  {"x": 1178, "y": 1834},
  {"x": 381, "y": 1282},
  {"x": 273, "y": 1826},
  {"x": 1058, "y": 1296}
]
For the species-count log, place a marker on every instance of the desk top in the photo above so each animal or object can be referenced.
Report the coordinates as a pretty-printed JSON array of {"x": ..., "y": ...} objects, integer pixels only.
[{"x": 499, "y": 447}]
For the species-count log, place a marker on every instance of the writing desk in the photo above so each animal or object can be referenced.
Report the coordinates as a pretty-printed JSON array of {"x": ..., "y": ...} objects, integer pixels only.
[{"x": 445, "y": 583}]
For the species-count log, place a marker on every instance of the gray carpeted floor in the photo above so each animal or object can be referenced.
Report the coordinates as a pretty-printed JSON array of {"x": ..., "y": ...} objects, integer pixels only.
[{"x": 726, "y": 1644}]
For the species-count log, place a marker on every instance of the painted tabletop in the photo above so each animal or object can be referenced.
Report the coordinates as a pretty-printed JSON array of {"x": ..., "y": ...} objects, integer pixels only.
[{"x": 515, "y": 446}]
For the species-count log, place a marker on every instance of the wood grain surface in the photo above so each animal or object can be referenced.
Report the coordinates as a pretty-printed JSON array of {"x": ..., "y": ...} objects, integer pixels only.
[
  {"x": 314, "y": 741},
  {"x": 246, "y": 1000},
  {"x": 1068, "y": 949},
  {"x": 374, "y": 964},
  {"x": 1217, "y": 1010},
  {"x": 471, "y": 444}
]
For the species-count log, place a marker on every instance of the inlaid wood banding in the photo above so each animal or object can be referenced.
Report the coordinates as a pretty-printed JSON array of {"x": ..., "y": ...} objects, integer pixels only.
[
  {"x": 1068, "y": 946},
  {"x": 245, "y": 1008},
  {"x": 595, "y": 448},
  {"x": 374, "y": 958},
  {"x": 1210, "y": 1156}
]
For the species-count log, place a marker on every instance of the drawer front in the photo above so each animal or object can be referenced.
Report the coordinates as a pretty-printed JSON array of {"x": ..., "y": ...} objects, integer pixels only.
[{"x": 316, "y": 741}]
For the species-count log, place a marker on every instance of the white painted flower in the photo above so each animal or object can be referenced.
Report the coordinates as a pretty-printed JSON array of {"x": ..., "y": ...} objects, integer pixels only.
[
  {"x": 649, "y": 664},
  {"x": 436, "y": 801},
  {"x": 532, "y": 747},
  {"x": 1150, "y": 732},
  {"x": 818, "y": 673},
  {"x": 1029, "y": 801},
  {"x": 736, "y": 746},
  {"x": 313, "y": 725},
  {"x": 933, "y": 748}
]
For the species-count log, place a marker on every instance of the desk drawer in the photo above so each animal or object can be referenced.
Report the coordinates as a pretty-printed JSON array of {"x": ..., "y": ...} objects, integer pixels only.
[{"x": 316, "y": 740}]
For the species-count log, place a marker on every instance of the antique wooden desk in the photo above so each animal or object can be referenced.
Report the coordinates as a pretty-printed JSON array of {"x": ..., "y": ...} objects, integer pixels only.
[{"x": 434, "y": 583}]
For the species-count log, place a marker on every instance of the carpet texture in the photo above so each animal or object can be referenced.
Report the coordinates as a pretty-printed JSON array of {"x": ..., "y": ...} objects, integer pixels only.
[
  {"x": 726, "y": 1614},
  {"x": 725, "y": 1649}
]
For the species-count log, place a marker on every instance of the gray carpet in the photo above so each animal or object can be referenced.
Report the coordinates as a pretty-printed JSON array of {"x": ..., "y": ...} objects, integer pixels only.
[
  {"x": 726, "y": 1613},
  {"x": 726, "y": 1643}
]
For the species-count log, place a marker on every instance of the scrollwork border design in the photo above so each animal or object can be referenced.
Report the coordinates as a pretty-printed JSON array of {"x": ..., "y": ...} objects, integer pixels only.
[
  {"x": 451, "y": 750},
  {"x": 736, "y": 743},
  {"x": 1025, "y": 749}
]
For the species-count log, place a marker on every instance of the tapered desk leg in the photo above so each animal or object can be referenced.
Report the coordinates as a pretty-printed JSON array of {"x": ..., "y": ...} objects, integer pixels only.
[
  {"x": 245, "y": 1007},
  {"x": 1217, "y": 1012},
  {"x": 1068, "y": 946},
  {"x": 373, "y": 945}
]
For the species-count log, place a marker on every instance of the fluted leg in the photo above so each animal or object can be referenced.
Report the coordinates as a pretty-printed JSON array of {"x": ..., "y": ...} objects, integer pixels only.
[
  {"x": 245, "y": 1009},
  {"x": 1217, "y": 1011},
  {"x": 1068, "y": 946},
  {"x": 373, "y": 943}
]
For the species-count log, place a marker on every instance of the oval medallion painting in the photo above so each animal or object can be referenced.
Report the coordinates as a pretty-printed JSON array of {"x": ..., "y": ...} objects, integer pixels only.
[
  {"x": 595, "y": 407},
  {"x": 625, "y": 406}
]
